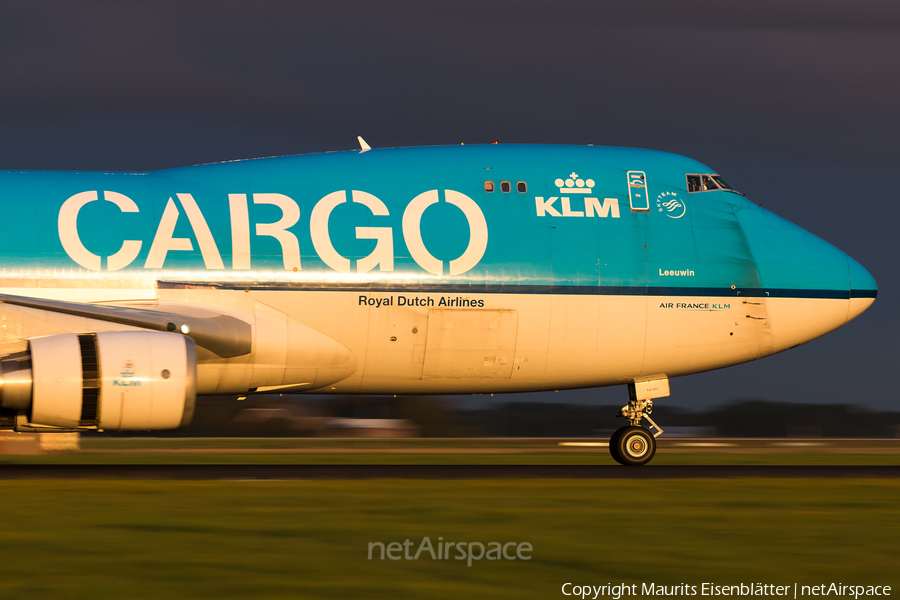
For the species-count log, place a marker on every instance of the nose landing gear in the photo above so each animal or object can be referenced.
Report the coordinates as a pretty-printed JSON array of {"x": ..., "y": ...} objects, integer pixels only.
[{"x": 635, "y": 445}]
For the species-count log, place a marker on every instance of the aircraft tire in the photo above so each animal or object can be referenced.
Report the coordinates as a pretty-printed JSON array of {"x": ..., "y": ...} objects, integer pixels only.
[
  {"x": 614, "y": 444},
  {"x": 634, "y": 446}
]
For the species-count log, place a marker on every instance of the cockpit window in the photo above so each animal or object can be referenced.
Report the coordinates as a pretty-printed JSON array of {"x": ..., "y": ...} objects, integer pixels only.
[
  {"x": 708, "y": 184},
  {"x": 697, "y": 182},
  {"x": 722, "y": 183}
]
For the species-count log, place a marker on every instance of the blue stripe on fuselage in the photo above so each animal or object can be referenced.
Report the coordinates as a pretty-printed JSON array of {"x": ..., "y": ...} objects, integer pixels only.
[{"x": 523, "y": 289}]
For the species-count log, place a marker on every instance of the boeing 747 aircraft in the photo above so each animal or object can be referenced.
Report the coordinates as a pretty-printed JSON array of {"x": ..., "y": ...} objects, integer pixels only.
[{"x": 439, "y": 270}]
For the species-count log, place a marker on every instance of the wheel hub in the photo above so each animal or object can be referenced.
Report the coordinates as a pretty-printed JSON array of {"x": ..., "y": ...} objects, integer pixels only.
[{"x": 637, "y": 446}]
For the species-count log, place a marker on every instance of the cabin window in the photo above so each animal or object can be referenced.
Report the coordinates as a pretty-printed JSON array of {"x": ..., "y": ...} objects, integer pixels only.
[
  {"x": 504, "y": 187},
  {"x": 521, "y": 187},
  {"x": 693, "y": 183},
  {"x": 489, "y": 186}
]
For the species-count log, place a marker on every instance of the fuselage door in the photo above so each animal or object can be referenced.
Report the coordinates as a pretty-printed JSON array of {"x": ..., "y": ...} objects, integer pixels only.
[
  {"x": 637, "y": 191},
  {"x": 470, "y": 344}
]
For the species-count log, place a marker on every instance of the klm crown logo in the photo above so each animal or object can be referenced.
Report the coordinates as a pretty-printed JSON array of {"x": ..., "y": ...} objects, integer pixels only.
[
  {"x": 585, "y": 206},
  {"x": 574, "y": 185},
  {"x": 126, "y": 376}
]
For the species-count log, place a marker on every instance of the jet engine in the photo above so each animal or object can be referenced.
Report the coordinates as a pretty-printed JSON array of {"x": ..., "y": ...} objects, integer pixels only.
[{"x": 119, "y": 380}]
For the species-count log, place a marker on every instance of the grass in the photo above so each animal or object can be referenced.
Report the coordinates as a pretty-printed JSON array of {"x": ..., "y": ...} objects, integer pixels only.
[{"x": 309, "y": 539}]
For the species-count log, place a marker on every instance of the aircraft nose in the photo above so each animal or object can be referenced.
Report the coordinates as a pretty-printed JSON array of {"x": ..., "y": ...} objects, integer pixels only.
[
  {"x": 863, "y": 289},
  {"x": 811, "y": 287}
]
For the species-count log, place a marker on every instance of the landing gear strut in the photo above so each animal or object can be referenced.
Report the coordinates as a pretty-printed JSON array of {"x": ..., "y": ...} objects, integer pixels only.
[{"x": 635, "y": 445}]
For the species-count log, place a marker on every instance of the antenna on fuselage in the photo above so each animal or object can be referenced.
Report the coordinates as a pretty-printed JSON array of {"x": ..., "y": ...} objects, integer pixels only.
[{"x": 363, "y": 145}]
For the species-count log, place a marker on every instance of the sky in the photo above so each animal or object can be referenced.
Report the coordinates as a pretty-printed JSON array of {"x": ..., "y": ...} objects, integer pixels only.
[{"x": 795, "y": 103}]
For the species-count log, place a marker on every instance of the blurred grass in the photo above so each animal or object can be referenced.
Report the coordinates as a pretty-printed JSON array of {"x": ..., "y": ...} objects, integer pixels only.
[{"x": 309, "y": 539}]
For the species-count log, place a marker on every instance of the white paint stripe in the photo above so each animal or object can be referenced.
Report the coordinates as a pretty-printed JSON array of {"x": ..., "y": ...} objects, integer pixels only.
[{"x": 591, "y": 444}]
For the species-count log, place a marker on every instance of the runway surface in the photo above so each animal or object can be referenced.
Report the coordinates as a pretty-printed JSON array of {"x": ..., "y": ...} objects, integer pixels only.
[{"x": 299, "y": 472}]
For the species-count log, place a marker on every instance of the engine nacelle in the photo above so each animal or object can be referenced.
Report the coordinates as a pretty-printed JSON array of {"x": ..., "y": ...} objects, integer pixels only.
[{"x": 121, "y": 380}]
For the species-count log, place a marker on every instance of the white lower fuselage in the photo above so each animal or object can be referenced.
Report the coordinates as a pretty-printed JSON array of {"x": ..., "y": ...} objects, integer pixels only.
[{"x": 414, "y": 342}]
